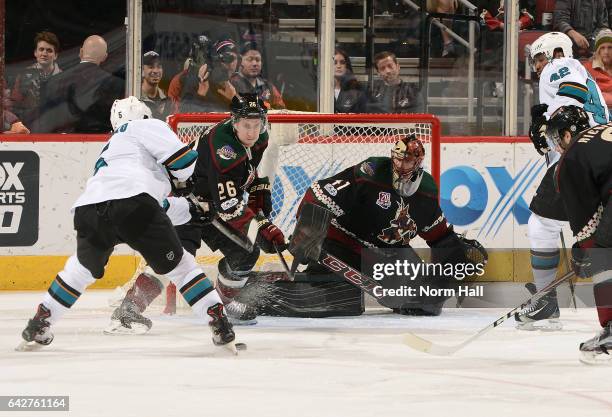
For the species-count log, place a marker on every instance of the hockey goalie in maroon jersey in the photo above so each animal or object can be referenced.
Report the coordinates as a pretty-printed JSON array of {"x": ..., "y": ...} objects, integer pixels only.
[
  {"x": 385, "y": 202},
  {"x": 584, "y": 180}
]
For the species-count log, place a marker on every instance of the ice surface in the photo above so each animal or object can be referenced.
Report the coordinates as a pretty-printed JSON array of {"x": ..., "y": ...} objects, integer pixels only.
[{"x": 340, "y": 367}]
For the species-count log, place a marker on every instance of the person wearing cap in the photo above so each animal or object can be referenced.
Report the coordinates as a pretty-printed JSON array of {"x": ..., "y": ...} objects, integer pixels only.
[
  {"x": 600, "y": 67},
  {"x": 211, "y": 91},
  {"x": 249, "y": 80},
  {"x": 227, "y": 54},
  {"x": 151, "y": 94}
]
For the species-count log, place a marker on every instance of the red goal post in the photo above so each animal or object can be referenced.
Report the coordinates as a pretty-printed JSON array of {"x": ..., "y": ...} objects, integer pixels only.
[{"x": 305, "y": 147}]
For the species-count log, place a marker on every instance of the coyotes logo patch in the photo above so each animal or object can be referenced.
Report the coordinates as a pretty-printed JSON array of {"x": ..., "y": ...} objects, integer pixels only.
[{"x": 403, "y": 227}]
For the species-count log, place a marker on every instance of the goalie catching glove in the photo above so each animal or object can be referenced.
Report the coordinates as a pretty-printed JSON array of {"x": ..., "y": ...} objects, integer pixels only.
[
  {"x": 537, "y": 130},
  {"x": 269, "y": 236},
  {"x": 260, "y": 196},
  {"x": 454, "y": 248}
]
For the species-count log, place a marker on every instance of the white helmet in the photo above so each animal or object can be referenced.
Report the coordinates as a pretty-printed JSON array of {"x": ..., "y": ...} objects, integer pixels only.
[
  {"x": 548, "y": 43},
  {"x": 128, "y": 109}
]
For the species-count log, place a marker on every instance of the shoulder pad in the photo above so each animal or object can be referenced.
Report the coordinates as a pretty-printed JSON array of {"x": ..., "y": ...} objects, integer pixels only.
[
  {"x": 226, "y": 151},
  {"x": 376, "y": 169},
  {"x": 428, "y": 185}
]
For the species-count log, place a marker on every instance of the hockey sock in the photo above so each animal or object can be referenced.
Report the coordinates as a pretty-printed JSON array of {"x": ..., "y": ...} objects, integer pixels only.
[
  {"x": 603, "y": 297},
  {"x": 194, "y": 286},
  {"x": 144, "y": 291},
  {"x": 544, "y": 266},
  {"x": 66, "y": 289}
]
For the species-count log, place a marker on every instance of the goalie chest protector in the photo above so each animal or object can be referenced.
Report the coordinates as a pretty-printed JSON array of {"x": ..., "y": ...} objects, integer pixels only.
[{"x": 366, "y": 206}]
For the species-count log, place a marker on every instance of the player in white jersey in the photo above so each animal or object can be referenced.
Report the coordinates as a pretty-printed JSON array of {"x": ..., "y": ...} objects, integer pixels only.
[
  {"x": 122, "y": 203},
  {"x": 563, "y": 82}
]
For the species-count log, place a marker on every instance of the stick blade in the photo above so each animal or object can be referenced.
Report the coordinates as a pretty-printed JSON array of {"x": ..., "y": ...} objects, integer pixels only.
[{"x": 425, "y": 346}]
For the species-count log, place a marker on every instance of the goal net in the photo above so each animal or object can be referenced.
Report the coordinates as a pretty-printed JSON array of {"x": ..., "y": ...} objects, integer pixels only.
[{"x": 304, "y": 147}]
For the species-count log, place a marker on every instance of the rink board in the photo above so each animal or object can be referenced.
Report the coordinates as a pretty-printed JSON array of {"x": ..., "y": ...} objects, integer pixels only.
[{"x": 487, "y": 184}]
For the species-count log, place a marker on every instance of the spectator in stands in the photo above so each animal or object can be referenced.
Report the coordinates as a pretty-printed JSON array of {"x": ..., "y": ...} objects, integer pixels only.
[
  {"x": 79, "y": 99},
  {"x": 449, "y": 49},
  {"x": 151, "y": 94},
  {"x": 348, "y": 93},
  {"x": 391, "y": 94},
  {"x": 581, "y": 20},
  {"x": 11, "y": 123},
  {"x": 249, "y": 80},
  {"x": 226, "y": 52},
  {"x": 199, "y": 88},
  {"x": 30, "y": 83},
  {"x": 600, "y": 67}
]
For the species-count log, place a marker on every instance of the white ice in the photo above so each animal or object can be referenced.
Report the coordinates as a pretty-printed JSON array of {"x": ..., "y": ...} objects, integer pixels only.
[{"x": 344, "y": 367}]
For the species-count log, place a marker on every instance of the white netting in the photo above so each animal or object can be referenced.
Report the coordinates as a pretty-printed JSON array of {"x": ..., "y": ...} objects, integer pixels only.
[{"x": 307, "y": 146}]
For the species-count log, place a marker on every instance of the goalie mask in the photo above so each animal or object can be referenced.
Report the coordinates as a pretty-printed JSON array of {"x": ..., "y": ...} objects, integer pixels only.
[
  {"x": 406, "y": 158},
  {"x": 572, "y": 119},
  {"x": 547, "y": 44},
  {"x": 249, "y": 106},
  {"x": 128, "y": 109}
]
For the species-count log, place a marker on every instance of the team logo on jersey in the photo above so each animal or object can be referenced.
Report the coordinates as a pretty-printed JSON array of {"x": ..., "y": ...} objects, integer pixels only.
[
  {"x": 403, "y": 227},
  {"x": 229, "y": 203},
  {"x": 367, "y": 168},
  {"x": 227, "y": 152},
  {"x": 384, "y": 200},
  {"x": 331, "y": 190},
  {"x": 250, "y": 177}
]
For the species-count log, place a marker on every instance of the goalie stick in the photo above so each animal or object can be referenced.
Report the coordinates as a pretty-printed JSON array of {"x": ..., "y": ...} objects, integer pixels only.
[{"x": 424, "y": 345}]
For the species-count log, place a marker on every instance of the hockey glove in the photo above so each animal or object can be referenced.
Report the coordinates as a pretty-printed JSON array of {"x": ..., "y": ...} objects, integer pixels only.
[
  {"x": 182, "y": 188},
  {"x": 268, "y": 235},
  {"x": 537, "y": 130},
  {"x": 202, "y": 212},
  {"x": 260, "y": 196},
  {"x": 581, "y": 261}
]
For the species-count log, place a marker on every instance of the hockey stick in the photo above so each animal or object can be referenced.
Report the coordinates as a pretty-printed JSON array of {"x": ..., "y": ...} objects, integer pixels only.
[
  {"x": 242, "y": 241},
  {"x": 426, "y": 346},
  {"x": 568, "y": 268},
  {"x": 288, "y": 271}
]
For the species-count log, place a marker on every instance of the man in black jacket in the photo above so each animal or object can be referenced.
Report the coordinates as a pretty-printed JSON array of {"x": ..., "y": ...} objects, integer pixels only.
[
  {"x": 391, "y": 94},
  {"x": 79, "y": 99}
]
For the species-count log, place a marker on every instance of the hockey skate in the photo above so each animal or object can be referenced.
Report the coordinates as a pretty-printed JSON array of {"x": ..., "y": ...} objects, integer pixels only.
[
  {"x": 38, "y": 331},
  {"x": 241, "y": 314},
  {"x": 126, "y": 319},
  {"x": 543, "y": 314},
  {"x": 598, "y": 350},
  {"x": 221, "y": 328}
]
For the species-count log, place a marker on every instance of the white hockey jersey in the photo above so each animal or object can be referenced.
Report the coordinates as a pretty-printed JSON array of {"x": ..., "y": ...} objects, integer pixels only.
[
  {"x": 565, "y": 82},
  {"x": 135, "y": 160}
]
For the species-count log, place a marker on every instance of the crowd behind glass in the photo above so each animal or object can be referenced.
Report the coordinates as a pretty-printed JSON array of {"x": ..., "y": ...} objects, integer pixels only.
[{"x": 196, "y": 62}]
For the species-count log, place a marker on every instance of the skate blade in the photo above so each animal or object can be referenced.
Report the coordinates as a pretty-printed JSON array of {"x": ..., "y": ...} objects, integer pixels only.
[
  {"x": 28, "y": 346},
  {"x": 116, "y": 328},
  {"x": 234, "y": 347},
  {"x": 550, "y": 325},
  {"x": 593, "y": 358}
]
